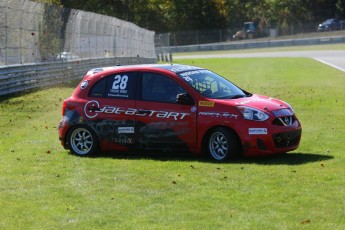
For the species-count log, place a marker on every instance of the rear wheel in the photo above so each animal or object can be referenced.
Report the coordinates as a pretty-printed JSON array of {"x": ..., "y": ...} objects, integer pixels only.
[
  {"x": 82, "y": 141},
  {"x": 223, "y": 144}
]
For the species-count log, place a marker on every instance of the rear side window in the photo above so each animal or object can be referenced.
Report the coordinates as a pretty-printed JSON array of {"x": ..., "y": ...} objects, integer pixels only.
[
  {"x": 117, "y": 86},
  {"x": 98, "y": 90}
]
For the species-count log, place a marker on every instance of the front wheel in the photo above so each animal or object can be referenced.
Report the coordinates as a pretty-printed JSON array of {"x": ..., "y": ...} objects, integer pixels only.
[
  {"x": 82, "y": 141},
  {"x": 223, "y": 144}
]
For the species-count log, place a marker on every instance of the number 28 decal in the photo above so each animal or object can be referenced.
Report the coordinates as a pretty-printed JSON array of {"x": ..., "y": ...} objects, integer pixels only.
[{"x": 120, "y": 82}]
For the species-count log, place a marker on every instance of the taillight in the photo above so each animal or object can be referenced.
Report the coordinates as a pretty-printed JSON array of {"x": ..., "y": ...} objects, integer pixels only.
[{"x": 64, "y": 106}]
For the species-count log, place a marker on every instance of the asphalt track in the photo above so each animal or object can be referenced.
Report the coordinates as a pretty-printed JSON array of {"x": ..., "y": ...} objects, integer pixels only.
[{"x": 333, "y": 58}]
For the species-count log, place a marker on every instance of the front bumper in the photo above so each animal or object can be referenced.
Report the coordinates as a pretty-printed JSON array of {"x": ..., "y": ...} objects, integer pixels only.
[
  {"x": 287, "y": 139},
  {"x": 277, "y": 140}
]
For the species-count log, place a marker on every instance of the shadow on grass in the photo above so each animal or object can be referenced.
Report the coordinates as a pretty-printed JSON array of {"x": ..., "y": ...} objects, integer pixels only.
[
  {"x": 286, "y": 159},
  {"x": 281, "y": 159}
]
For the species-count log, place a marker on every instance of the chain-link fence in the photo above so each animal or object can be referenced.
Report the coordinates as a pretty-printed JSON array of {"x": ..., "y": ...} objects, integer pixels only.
[
  {"x": 196, "y": 37},
  {"x": 32, "y": 32}
]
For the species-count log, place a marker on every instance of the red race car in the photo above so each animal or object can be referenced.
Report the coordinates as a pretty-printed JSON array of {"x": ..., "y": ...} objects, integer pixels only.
[{"x": 175, "y": 108}]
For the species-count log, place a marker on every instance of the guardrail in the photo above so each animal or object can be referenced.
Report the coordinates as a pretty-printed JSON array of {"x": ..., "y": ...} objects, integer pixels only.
[
  {"x": 250, "y": 44},
  {"x": 17, "y": 78}
]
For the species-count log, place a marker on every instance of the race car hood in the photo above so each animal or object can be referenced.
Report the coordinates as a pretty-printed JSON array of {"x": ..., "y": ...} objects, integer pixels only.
[{"x": 263, "y": 103}]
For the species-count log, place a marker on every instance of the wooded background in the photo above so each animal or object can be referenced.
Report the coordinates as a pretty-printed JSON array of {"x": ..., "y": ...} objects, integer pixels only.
[{"x": 180, "y": 15}]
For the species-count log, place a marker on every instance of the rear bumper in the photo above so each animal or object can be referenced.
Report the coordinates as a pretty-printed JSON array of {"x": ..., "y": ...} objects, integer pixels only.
[{"x": 62, "y": 130}]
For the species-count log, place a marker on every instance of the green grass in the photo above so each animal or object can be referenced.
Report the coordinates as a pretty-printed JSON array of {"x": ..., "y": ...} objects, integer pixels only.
[
  {"x": 340, "y": 46},
  {"x": 42, "y": 186}
]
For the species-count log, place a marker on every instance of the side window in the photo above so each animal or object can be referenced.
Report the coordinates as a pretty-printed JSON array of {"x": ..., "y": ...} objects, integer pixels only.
[
  {"x": 118, "y": 86},
  {"x": 156, "y": 87}
]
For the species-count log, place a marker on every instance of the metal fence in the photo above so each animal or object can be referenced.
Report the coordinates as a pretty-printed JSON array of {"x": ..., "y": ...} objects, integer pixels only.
[
  {"x": 32, "y": 32},
  {"x": 196, "y": 37}
]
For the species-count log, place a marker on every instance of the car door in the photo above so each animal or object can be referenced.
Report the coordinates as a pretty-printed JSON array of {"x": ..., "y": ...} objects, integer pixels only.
[
  {"x": 162, "y": 123},
  {"x": 111, "y": 110}
]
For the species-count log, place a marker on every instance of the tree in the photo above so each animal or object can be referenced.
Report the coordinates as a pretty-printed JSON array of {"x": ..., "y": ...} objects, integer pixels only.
[
  {"x": 198, "y": 14},
  {"x": 160, "y": 15},
  {"x": 178, "y": 15}
]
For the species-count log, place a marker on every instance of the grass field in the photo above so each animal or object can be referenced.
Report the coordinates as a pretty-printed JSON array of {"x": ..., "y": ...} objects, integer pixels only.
[
  {"x": 42, "y": 186},
  {"x": 339, "y": 46}
]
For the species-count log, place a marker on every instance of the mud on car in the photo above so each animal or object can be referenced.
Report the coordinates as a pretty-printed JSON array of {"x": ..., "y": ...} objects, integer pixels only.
[{"x": 174, "y": 107}]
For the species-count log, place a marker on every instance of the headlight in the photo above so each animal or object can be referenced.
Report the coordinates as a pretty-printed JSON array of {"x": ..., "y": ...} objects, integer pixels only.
[{"x": 252, "y": 114}]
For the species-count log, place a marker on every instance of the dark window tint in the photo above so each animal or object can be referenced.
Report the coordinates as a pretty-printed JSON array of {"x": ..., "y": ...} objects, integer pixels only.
[
  {"x": 119, "y": 86},
  {"x": 98, "y": 90},
  {"x": 156, "y": 87}
]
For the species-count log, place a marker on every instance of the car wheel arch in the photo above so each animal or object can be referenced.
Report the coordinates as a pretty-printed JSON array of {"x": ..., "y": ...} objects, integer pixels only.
[
  {"x": 208, "y": 133},
  {"x": 88, "y": 127}
]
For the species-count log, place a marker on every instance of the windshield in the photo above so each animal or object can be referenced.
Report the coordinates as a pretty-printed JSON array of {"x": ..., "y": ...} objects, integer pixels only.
[{"x": 212, "y": 85}]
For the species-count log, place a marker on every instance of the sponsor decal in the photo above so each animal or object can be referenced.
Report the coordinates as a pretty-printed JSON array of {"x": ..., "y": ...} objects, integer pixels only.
[
  {"x": 118, "y": 95},
  {"x": 125, "y": 129},
  {"x": 193, "y": 109},
  {"x": 186, "y": 75},
  {"x": 194, "y": 72},
  {"x": 183, "y": 68},
  {"x": 84, "y": 84},
  {"x": 188, "y": 79},
  {"x": 123, "y": 140},
  {"x": 253, "y": 100},
  {"x": 219, "y": 114},
  {"x": 92, "y": 109},
  {"x": 257, "y": 131},
  {"x": 206, "y": 103},
  {"x": 119, "y": 87}
]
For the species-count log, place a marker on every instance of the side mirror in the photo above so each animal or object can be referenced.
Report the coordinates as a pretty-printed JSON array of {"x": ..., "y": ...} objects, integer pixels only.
[{"x": 184, "y": 99}]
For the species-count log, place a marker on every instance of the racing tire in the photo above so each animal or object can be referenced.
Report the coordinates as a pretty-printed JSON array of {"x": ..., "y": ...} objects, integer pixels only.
[
  {"x": 82, "y": 141},
  {"x": 223, "y": 144}
]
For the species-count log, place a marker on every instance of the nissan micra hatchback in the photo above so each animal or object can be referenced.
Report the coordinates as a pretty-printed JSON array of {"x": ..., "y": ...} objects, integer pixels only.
[{"x": 175, "y": 108}]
